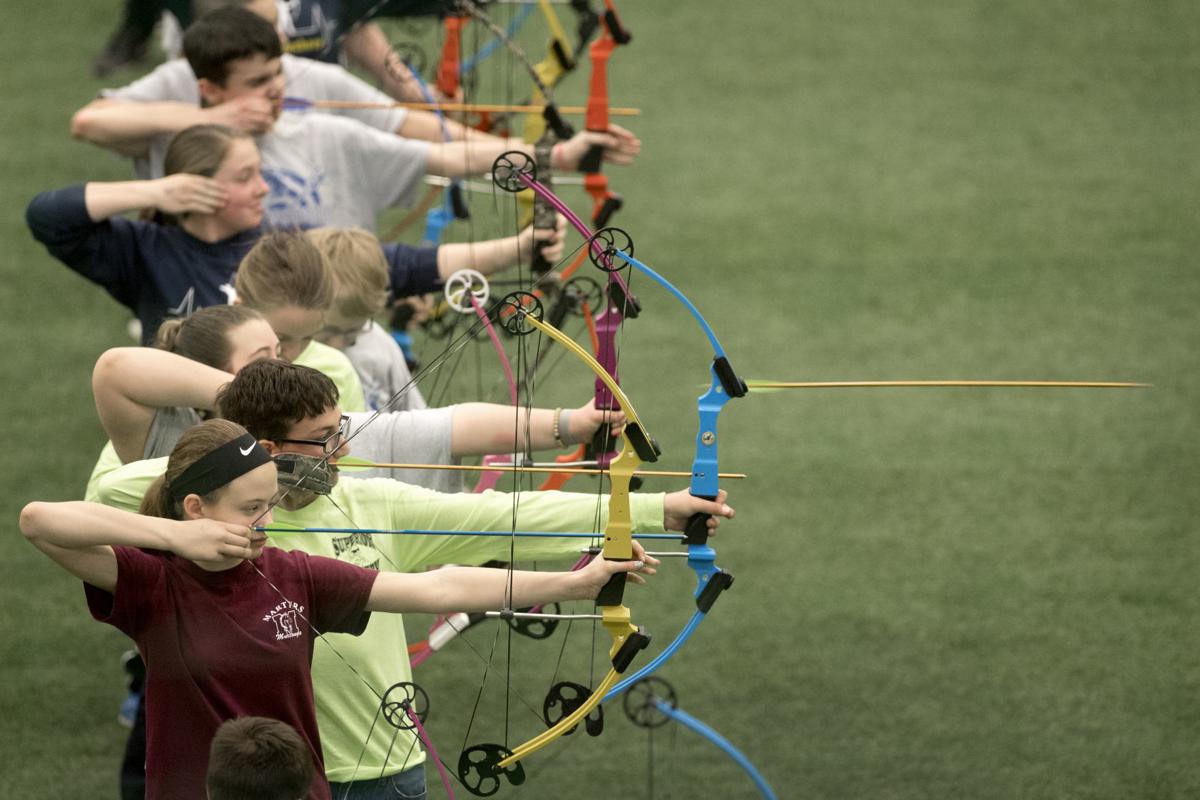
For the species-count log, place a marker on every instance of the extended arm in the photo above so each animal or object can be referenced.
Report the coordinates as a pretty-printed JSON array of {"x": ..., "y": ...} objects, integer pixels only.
[
  {"x": 482, "y": 428},
  {"x": 80, "y": 537},
  {"x": 130, "y": 384},
  {"x": 493, "y": 255},
  {"x": 475, "y": 157},
  {"x": 482, "y": 589}
]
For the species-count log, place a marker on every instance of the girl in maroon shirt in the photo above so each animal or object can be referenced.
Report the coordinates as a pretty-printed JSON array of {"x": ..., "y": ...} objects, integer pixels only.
[{"x": 227, "y": 627}]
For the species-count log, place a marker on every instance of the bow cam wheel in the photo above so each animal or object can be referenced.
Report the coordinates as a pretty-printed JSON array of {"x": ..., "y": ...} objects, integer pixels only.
[
  {"x": 401, "y": 700},
  {"x": 604, "y": 246},
  {"x": 563, "y": 699},
  {"x": 641, "y": 702},
  {"x": 515, "y": 308},
  {"x": 464, "y": 286},
  {"x": 479, "y": 769},
  {"x": 508, "y": 169}
]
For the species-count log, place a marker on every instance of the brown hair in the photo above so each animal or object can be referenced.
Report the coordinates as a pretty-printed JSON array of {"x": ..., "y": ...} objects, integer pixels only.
[
  {"x": 256, "y": 758},
  {"x": 204, "y": 336},
  {"x": 200, "y": 149},
  {"x": 195, "y": 443},
  {"x": 270, "y": 396},
  {"x": 359, "y": 269},
  {"x": 284, "y": 269}
]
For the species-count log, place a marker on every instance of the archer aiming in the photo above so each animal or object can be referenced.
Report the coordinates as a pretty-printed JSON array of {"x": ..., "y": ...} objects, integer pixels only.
[
  {"x": 294, "y": 413},
  {"x": 227, "y": 626},
  {"x": 322, "y": 169}
]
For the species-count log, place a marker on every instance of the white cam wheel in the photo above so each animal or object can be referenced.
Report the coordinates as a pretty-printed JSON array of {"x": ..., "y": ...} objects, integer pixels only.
[{"x": 462, "y": 286}]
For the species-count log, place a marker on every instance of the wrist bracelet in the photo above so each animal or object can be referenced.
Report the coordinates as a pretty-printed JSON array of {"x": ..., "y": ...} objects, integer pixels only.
[{"x": 557, "y": 431}]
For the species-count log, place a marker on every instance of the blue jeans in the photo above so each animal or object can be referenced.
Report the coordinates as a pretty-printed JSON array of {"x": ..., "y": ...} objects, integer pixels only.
[{"x": 407, "y": 785}]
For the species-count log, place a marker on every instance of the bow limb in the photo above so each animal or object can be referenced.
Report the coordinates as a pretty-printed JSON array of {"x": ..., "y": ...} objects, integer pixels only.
[
  {"x": 429, "y": 748},
  {"x": 448, "y": 65},
  {"x": 466, "y": 291},
  {"x": 550, "y": 112},
  {"x": 725, "y": 385},
  {"x": 653, "y": 703},
  {"x": 628, "y": 639},
  {"x": 605, "y": 202}
]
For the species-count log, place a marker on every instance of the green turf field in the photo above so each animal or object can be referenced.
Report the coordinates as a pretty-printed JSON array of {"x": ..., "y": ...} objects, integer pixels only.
[{"x": 940, "y": 594}]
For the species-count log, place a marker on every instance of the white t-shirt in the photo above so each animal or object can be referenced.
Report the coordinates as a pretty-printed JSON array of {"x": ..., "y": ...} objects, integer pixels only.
[
  {"x": 326, "y": 170},
  {"x": 305, "y": 79}
]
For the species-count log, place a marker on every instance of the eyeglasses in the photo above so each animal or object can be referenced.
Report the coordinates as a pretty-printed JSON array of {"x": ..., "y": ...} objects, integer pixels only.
[
  {"x": 330, "y": 444},
  {"x": 350, "y": 335}
]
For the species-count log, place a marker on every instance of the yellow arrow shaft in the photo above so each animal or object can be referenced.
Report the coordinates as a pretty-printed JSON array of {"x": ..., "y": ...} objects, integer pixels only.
[{"x": 491, "y": 108}]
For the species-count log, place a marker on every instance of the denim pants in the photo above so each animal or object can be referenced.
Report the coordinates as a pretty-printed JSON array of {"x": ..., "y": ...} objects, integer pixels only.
[{"x": 407, "y": 785}]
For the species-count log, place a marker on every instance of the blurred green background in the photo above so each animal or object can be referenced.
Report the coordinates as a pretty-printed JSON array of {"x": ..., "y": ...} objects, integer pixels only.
[{"x": 984, "y": 594}]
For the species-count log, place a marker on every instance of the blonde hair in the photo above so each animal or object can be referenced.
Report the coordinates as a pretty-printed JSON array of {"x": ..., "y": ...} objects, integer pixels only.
[
  {"x": 204, "y": 336},
  {"x": 359, "y": 269},
  {"x": 195, "y": 443},
  {"x": 284, "y": 269}
]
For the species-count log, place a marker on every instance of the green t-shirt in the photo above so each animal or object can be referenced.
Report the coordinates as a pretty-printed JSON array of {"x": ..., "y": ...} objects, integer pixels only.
[
  {"x": 334, "y": 363},
  {"x": 346, "y": 705}
]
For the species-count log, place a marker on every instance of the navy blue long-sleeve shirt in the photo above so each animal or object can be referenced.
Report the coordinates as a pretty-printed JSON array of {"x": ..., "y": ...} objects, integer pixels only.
[
  {"x": 156, "y": 271},
  {"x": 159, "y": 271}
]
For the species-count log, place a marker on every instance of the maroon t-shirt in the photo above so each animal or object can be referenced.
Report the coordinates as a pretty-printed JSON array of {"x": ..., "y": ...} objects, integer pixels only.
[{"x": 220, "y": 645}]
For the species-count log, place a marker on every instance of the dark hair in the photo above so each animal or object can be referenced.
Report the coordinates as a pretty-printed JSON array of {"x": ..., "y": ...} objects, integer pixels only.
[
  {"x": 284, "y": 268},
  {"x": 204, "y": 336},
  {"x": 255, "y": 758},
  {"x": 195, "y": 443},
  {"x": 221, "y": 37},
  {"x": 270, "y": 396}
]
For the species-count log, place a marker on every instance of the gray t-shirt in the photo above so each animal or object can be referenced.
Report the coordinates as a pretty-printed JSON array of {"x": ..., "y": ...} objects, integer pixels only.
[
  {"x": 407, "y": 437},
  {"x": 166, "y": 428},
  {"x": 381, "y": 367}
]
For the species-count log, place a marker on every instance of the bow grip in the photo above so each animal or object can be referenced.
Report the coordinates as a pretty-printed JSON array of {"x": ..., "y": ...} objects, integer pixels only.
[
  {"x": 613, "y": 592},
  {"x": 592, "y": 159},
  {"x": 696, "y": 529},
  {"x": 458, "y": 204}
]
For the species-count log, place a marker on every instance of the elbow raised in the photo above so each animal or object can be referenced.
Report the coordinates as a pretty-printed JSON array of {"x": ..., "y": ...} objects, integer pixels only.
[
  {"x": 86, "y": 122},
  {"x": 81, "y": 124},
  {"x": 108, "y": 367},
  {"x": 30, "y": 520}
]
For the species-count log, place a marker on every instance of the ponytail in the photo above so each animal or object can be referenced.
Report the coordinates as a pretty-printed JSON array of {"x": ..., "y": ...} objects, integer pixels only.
[{"x": 191, "y": 447}]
